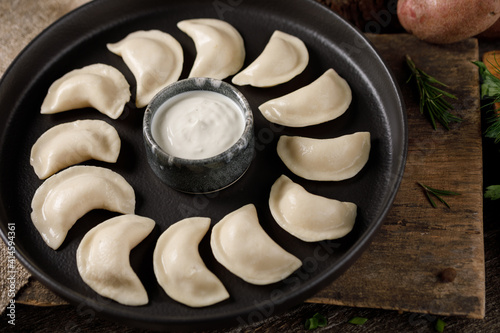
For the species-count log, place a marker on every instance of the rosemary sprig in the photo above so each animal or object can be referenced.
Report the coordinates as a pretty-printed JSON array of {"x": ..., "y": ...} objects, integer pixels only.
[
  {"x": 431, "y": 97},
  {"x": 437, "y": 193},
  {"x": 490, "y": 89}
]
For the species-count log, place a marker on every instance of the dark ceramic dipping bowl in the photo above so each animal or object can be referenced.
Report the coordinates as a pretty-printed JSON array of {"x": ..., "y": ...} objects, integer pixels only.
[{"x": 202, "y": 175}]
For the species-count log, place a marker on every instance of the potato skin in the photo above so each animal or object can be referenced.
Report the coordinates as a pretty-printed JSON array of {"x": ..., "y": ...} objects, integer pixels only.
[
  {"x": 492, "y": 32},
  {"x": 447, "y": 21}
]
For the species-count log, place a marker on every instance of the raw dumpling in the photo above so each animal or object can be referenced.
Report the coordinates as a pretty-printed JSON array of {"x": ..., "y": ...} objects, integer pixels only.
[
  {"x": 103, "y": 258},
  {"x": 154, "y": 57},
  {"x": 310, "y": 217},
  {"x": 325, "y": 159},
  {"x": 179, "y": 269},
  {"x": 284, "y": 57},
  {"x": 99, "y": 86},
  {"x": 71, "y": 143},
  {"x": 327, "y": 98},
  {"x": 220, "y": 51},
  {"x": 241, "y": 245},
  {"x": 68, "y": 195}
]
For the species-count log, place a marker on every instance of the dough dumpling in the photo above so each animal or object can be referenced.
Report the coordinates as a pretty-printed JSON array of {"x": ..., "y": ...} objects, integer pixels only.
[
  {"x": 325, "y": 99},
  {"x": 180, "y": 270},
  {"x": 68, "y": 195},
  {"x": 220, "y": 50},
  {"x": 154, "y": 57},
  {"x": 99, "y": 86},
  {"x": 310, "y": 217},
  {"x": 325, "y": 159},
  {"x": 71, "y": 143},
  {"x": 241, "y": 245},
  {"x": 103, "y": 258},
  {"x": 284, "y": 57}
]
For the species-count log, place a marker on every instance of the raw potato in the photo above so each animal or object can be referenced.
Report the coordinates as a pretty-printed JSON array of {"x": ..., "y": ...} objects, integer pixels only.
[
  {"x": 492, "y": 32},
  {"x": 447, "y": 21}
]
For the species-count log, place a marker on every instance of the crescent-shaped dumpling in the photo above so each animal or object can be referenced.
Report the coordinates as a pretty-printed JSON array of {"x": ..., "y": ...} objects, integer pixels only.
[
  {"x": 180, "y": 270},
  {"x": 154, "y": 57},
  {"x": 220, "y": 51},
  {"x": 307, "y": 216},
  {"x": 103, "y": 258},
  {"x": 241, "y": 245},
  {"x": 325, "y": 159},
  {"x": 325, "y": 99},
  {"x": 99, "y": 86},
  {"x": 284, "y": 57},
  {"x": 71, "y": 143},
  {"x": 68, "y": 195}
]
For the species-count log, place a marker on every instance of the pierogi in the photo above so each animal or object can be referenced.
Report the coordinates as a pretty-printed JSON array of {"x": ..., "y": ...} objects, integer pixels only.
[
  {"x": 68, "y": 195},
  {"x": 284, "y": 57},
  {"x": 220, "y": 50},
  {"x": 180, "y": 270},
  {"x": 98, "y": 86},
  {"x": 71, "y": 143},
  {"x": 154, "y": 57},
  {"x": 103, "y": 258},
  {"x": 241, "y": 245},
  {"x": 325, "y": 99},
  {"x": 325, "y": 159},
  {"x": 307, "y": 216}
]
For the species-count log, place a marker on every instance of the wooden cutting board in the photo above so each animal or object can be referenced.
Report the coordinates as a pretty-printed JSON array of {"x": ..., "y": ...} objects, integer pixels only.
[{"x": 401, "y": 268}]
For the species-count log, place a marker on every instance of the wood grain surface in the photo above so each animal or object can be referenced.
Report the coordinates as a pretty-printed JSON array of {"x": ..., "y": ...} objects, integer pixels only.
[{"x": 401, "y": 269}]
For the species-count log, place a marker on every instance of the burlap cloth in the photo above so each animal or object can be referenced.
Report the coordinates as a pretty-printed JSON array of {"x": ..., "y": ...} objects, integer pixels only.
[{"x": 20, "y": 22}]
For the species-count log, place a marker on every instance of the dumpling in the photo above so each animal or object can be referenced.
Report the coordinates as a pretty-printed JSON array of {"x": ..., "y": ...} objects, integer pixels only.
[
  {"x": 99, "y": 86},
  {"x": 325, "y": 99},
  {"x": 71, "y": 143},
  {"x": 284, "y": 57},
  {"x": 103, "y": 258},
  {"x": 241, "y": 245},
  {"x": 310, "y": 217},
  {"x": 154, "y": 57},
  {"x": 180, "y": 270},
  {"x": 325, "y": 159},
  {"x": 220, "y": 50},
  {"x": 68, "y": 195}
]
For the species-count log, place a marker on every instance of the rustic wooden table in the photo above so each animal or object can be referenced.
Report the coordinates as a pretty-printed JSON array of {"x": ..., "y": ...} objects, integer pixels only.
[{"x": 395, "y": 284}]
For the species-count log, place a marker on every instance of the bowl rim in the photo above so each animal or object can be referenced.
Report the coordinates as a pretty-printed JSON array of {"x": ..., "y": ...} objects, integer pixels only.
[{"x": 197, "y": 84}]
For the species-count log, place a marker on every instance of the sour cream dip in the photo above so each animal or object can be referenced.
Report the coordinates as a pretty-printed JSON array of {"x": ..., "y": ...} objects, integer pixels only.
[{"x": 197, "y": 124}]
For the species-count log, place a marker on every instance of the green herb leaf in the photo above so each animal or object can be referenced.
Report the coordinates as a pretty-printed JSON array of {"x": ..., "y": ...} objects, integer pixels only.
[
  {"x": 318, "y": 320},
  {"x": 322, "y": 321},
  {"x": 492, "y": 192},
  {"x": 311, "y": 324},
  {"x": 431, "y": 97},
  {"x": 490, "y": 89},
  {"x": 358, "y": 320},
  {"x": 437, "y": 193},
  {"x": 440, "y": 325}
]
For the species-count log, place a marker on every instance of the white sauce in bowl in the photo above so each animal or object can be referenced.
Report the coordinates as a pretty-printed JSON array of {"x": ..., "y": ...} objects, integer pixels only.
[{"x": 197, "y": 124}]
